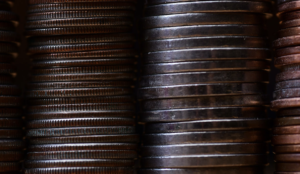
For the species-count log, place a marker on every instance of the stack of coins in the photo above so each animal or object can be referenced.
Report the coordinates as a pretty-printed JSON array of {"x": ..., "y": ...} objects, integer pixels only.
[
  {"x": 202, "y": 90},
  {"x": 286, "y": 130},
  {"x": 11, "y": 133},
  {"x": 81, "y": 113}
]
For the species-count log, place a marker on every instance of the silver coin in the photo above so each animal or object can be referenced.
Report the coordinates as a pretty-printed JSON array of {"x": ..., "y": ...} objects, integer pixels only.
[
  {"x": 207, "y": 54},
  {"x": 196, "y": 90},
  {"x": 205, "y": 148},
  {"x": 202, "y": 31},
  {"x": 219, "y": 101},
  {"x": 198, "y": 161},
  {"x": 206, "y": 137},
  {"x": 205, "y": 42},
  {"x": 191, "y": 114},
  {"x": 204, "y": 77},
  {"x": 208, "y": 125},
  {"x": 208, "y": 7}
]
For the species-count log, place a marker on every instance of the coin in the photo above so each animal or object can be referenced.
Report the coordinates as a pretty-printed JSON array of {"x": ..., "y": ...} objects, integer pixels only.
[
  {"x": 10, "y": 101},
  {"x": 289, "y": 112},
  {"x": 285, "y": 103},
  {"x": 78, "y": 163},
  {"x": 12, "y": 144},
  {"x": 190, "y": 114},
  {"x": 155, "y": 2},
  {"x": 82, "y": 146},
  {"x": 294, "y": 31},
  {"x": 287, "y": 75},
  {"x": 201, "y": 149},
  {"x": 7, "y": 47},
  {"x": 198, "y": 66},
  {"x": 205, "y": 137},
  {"x": 287, "y": 167},
  {"x": 8, "y": 36},
  {"x": 290, "y": 23},
  {"x": 282, "y": 61},
  {"x": 74, "y": 1},
  {"x": 286, "y": 121},
  {"x": 11, "y": 133},
  {"x": 80, "y": 39},
  {"x": 286, "y": 93},
  {"x": 78, "y": 47},
  {"x": 8, "y": 16},
  {"x": 204, "y": 42},
  {"x": 194, "y": 161},
  {"x": 96, "y": 5},
  {"x": 6, "y": 79},
  {"x": 208, "y": 125},
  {"x": 288, "y": 6},
  {"x": 295, "y": 129},
  {"x": 10, "y": 166},
  {"x": 82, "y": 63},
  {"x": 286, "y": 139},
  {"x": 117, "y": 138},
  {"x": 10, "y": 90},
  {"x": 73, "y": 22},
  {"x": 7, "y": 156},
  {"x": 201, "y": 19},
  {"x": 287, "y": 157},
  {"x": 286, "y": 41},
  {"x": 10, "y": 112},
  {"x": 79, "y": 122},
  {"x": 206, "y": 54},
  {"x": 11, "y": 123},
  {"x": 82, "y": 154},
  {"x": 6, "y": 68},
  {"x": 219, "y": 101},
  {"x": 203, "y": 77},
  {"x": 91, "y": 69},
  {"x": 73, "y": 131},
  {"x": 85, "y": 170},
  {"x": 196, "y": 90},
  {"x": 76, "y": 30},
  {"x": 208, "y": 7},
  {"x": 286, "y": 149},
  {"x": 7, "y": 25},
  {"x": 215, "y": 170},
  {"x": 77, "y": 14},
  {"x": 288, "y": 15}
]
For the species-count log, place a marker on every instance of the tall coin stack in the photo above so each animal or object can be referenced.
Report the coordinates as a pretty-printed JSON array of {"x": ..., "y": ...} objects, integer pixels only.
[
  {"x": 11, "y": 124},
  {"x": 202, "y": 90},
  {"x": 286, "y": 132},
  {"x": 81, "y": 113}
]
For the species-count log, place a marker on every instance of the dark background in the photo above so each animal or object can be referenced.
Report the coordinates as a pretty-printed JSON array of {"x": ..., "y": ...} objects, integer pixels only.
[{"x": 22, "y": 62}]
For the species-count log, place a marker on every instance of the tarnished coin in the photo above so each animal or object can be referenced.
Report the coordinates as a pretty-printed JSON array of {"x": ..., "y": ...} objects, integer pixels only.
[
  {"x": 78, "y": 14},
  {"x": 202, "y": 31},
  {"x": 288, "y": 32},
  {"x": 219, "y": 101},
  {"x": 295, "y": 129},
  {"x": 80, "y": 5},
  {"x": 195, "y": 161},
  {"x": 78, "y": 163},
  {"x": 208, "y": 125},
  {"x": 287, "y": 167},
  {"x": 285, "y": 103},
  {"x": 11, "y": 133},
  {"x": 289, "y": 111},
  {"x": 10, "y": 90},
  {"x": 232, "y": 65},
  {"x": 82, "y": 63},
  {"x": 79, "y": 47},
  {"x": 10, "y": 101},
  {"x": 11, "y": 123},
  {"x": 287, "y": 121},
  {"x": 215, "y": 170},
  {"x": 6, "y": 156},
  {"x": 205, "y": 137},
  {"x": 202, "y": 149},
  {"x": 108, "y": 167},
  {"x": 82, "y": 146},
  {"x": 74, "y": 131},
  {"x": 287, "y": 41},
  {"x": 295, "y": 157},
  {"x": 83, "y": 76},
  {"x": 12, "y": 144},
  {"x": 191, "y": 114},
  {"x": 204, "y": 42},
  {"x": 204, "y": 54},
  {"x": 286, "y": 93},
  {"x": 280, "y": 62},
  {"x": 10, "y": 167},
  {"x": 80, "y": 84},
  {"x": 76, "y": 30},
  {"x": 208, "y": 6},
  {"x": 287, "y": 149},
  {"x": 204, "y": 77},
  {"x": 196, "y": 90},
  {"x": 80, "y": 39},
  {"x": 74, "y": 1},
  {"x": 290, "y": 23},
  {"x": 288, "y": 15},
  {"x": 202, "y": 19},
  {"x": 288, "y": 75},
  {"x": 73, "y": 22},
  {"x": 82, "y": 154},
  {"x": 117, "y": 138},
  {"x": 79, "y": 122},
  {"x": 156, "y": 2},
  {"x": 10, "y": 112},
  {"x": 289, "y": 6}
]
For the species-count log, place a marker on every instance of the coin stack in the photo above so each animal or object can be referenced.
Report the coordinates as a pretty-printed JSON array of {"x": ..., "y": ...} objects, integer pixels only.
[
  {"x": 202, "y": 91},
  {"x": 286, "y": 130},
  {"x": 11, "y": 133},
  {"x": 81, "y": 113}
]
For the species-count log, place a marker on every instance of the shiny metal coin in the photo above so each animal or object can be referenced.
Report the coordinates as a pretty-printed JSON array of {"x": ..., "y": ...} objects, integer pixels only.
[
  {"x": 191, "y": 114},
  {"x": 197, "y": 161},
  {"x": 205, "y": 137}
]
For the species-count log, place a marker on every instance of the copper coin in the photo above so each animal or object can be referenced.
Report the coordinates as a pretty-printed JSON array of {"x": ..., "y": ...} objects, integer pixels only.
[
  {"x": 88, "y": 170},
  {"x": 8, "y": 16},
  {"x": 7, "y": 47},
  {"x": 289, "y": 15},
  {"x": 11, "y": 133},
  {"x": 285, "y": 103},
  {"x": 287, "y": 41},
  {"x": 286, "y": 139},
  {"x": 7, "y": 26},
  {"x": 295, "y": 157},
  {"x": 286, "y": 93},
  {"x": 10, "y": 112},
  {"x": 287, "y": 75},
  {"x": 289, "y": 6},
  {"x": 74, "y": 1},
  {"x": 10, "y": 167},
  {"x": 286, "y": 121},
  {"x": 289, "y": 112},
  {"x": 156, "y": 2},
  {"x": 295, "y": 129},
  {"x": 287, "y": 149},
  {"x": 117, "y": 138},
  {"x": 11, "y": 123},
  {"x": 10, "y": 101},
  {"x": 8, "y": 36},
  {"x": 287, "y": 167},
  {"x": 279, "y": 62},
  {"x": 290, "y": 23},
  {"x": 90, "y": 69},
  {"x": 287, "y": 51}
]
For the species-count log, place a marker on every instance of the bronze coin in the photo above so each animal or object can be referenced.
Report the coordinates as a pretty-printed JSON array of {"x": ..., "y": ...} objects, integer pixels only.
[
  {"x": 286, "y": 93},
  {"x": 286, "y": 121},
  {"x": 279, "y": 62},
  {"x": 287, "y": 51},
  {"x": 286, "y": 139},
  {"x": 289, "y": 24},
  {"x": 285, "y": 103},
  {"x": 286, "y": 130},
  {"x": 289, "y": 6},
  {"x": 287, "y": 75},
  {"x": 287, "y": 41},
  {"x": 287, "y": 149},
  {"x": 289, "y": 15}
]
